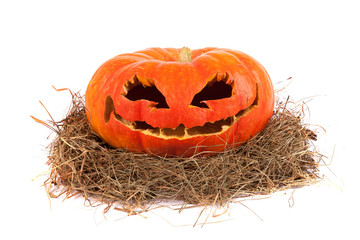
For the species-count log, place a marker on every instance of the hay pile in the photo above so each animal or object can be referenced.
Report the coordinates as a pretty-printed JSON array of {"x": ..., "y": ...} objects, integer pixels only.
[{"x": 280, "y": 157}]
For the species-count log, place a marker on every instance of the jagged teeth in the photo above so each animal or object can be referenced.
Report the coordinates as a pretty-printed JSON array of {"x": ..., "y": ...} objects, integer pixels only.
[{"x": 180, "y": 131}]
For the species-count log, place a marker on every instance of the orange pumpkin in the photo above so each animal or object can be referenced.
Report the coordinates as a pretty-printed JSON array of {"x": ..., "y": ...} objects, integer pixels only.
[{"x": 171, "y": 101}]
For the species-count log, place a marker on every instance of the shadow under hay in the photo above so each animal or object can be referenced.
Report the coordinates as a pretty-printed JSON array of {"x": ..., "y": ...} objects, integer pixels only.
[{"x": 281, "y": 156}]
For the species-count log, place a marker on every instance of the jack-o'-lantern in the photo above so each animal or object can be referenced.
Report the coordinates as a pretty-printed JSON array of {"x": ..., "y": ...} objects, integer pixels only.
[{"x": 169, "y": 101}]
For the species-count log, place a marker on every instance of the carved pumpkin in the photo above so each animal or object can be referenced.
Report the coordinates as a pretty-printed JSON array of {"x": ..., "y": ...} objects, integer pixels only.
[{"x": 179, "y": 102}]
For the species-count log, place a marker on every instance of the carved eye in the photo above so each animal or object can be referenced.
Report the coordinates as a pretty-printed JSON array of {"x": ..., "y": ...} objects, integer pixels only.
[
  {"x": 146, "y": 90},
  {"x": 218, "y": 88}
]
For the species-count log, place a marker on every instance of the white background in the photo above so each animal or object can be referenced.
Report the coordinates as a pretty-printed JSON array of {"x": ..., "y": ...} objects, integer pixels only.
[{"x": 62, "y": 43}]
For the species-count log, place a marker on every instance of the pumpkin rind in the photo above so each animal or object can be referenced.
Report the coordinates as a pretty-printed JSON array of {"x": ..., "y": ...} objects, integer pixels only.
[{"x": 179, "y": 82}]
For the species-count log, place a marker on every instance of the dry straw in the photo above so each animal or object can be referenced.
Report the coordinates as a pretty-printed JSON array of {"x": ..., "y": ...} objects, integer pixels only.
[{"x": 282, "y": 156}]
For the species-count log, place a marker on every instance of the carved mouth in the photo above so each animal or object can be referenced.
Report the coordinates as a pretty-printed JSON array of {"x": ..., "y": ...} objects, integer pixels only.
[{"x": 180, "y": 131}]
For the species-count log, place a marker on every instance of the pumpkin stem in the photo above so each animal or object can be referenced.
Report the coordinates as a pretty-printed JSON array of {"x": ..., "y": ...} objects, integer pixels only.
[{"x": 185, "y": 55}]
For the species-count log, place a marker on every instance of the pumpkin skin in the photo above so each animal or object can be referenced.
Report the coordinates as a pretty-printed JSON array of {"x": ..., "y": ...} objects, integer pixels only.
[{"x": 148, "y": 101}]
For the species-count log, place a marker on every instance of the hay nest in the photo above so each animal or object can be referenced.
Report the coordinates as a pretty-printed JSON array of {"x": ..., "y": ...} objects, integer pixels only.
[{"x": 282, "y": 156}]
